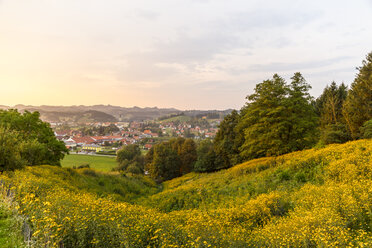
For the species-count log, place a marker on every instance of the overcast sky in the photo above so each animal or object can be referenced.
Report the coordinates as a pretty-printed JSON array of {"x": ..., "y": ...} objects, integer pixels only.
[{"x": 187, "y": 54}]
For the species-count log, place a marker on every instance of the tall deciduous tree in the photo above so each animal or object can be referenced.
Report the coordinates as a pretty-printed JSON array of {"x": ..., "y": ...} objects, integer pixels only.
[
  {"x": 39, "y": 135},
  {"x": 278, "y": 118},
  {"x": 188, "y": 156},
  {"x": 358, "y": 105},
  {"x": 171, "y": 159},
  {"x": 10, "y": 154},
  {"x": 130, "y": 156},
  {"x": 265, "y": 120},
  {"x": 206, "y": 157},
  {"x": 165, "y": 163}
]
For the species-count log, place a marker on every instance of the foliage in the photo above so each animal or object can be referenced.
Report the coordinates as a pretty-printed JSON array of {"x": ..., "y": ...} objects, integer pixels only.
[
  {"x": 329, "y": 107},
  {"x": 329, "y": 104},
  {"x": 188, "y": 156},
  {"x": 165, "y": 164},
  {"x": 366, "y": 130},
  {"x": 206, "y": 157},
  {"x": 171, "y": 159},
  {"x": 358, "y": 105},
  {"x": 10, "y": 224},
  {"x": 301, "y": 115},
  {"x": 101, "y": 130},
  {"x": 38, "y": 136},
  {"x": 130, "y": 157},
  {"x": 334, "y": 133},
  {"x": 226, "y": 149},
  {"x": 10, "y": 152},
  {"x": 278, "y": 118},
  {"x": 312, "y": 198}
]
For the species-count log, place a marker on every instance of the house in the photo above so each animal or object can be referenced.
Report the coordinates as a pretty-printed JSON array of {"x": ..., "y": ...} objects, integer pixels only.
[
  {"x": 147, "y": 146},
  {"x": 147, "y": 131},
  {"x": 92, "y": 148},
  {"x": 69, "y": 143},
  {"x": 82, "y": 140}
]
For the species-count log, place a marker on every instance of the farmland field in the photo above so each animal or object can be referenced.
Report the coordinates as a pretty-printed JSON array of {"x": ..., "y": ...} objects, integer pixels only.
[{"x": 101, "y": 163}]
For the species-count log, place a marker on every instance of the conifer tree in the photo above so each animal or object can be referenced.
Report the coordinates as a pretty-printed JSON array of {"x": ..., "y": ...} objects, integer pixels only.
[
  {"x": 225, "y": 145},
  {"x": 329, "y": 107},
  {"x": 301, "y": 115},
  {"x": 358, "y": 105}
]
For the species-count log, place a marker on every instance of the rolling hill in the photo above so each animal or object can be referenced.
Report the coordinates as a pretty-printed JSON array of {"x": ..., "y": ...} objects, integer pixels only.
[
  {"x": 312, "y": 198},
  {"x": 107, "y": 113}
]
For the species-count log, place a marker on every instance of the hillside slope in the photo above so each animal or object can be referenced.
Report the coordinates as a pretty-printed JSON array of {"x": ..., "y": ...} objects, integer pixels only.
[{"x": 312, "y": 198}]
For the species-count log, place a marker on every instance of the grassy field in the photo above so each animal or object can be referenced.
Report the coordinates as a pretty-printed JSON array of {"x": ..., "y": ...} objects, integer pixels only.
[
  {"x": 101, "y": 163},
  {"x": 10, "y": 226},
  {"x": 312, "y": 198}
]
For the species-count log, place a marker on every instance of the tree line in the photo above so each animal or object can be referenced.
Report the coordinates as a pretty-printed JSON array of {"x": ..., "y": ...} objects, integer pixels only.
[
  {"x": 278, "y": 118},
  {"x": 281, "y": 117}
]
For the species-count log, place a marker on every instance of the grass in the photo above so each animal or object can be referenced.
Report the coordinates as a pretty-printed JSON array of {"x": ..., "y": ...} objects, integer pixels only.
[
  {"x": 312, "y": 198},
  {"x": 10, "y": 226},
  {"x": 101, "y": 163}
]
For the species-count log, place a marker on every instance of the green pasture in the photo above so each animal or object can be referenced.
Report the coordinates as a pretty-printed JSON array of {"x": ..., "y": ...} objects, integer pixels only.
[{"x": 102, "y": 163}]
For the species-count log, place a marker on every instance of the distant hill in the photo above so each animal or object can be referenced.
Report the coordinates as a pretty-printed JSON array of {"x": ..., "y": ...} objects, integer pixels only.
[
  {"x": 113, "y": 113},
  {"x": 77, "y": 117}
]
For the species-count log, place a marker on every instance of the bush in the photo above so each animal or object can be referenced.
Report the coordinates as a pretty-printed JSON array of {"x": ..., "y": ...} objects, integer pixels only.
[
  {"x": 366, "y": 130},
  {"x": 335, "y": 134},
  {"x": 83, "y": 166}
]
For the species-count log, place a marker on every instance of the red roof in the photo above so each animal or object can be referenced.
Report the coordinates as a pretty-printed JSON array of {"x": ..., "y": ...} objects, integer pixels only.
[{"x": 83, "y": 140}]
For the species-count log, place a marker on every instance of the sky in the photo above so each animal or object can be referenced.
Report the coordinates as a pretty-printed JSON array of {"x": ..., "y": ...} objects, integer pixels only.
[{"x": 186, "y": 54}]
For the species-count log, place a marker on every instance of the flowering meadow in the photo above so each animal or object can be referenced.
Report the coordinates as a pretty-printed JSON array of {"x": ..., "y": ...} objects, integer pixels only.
[{"x": 313, "y": 198}]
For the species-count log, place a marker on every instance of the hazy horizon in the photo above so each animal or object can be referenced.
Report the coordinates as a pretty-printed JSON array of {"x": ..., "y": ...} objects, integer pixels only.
[
  {"x": 195, "y": 54},
  {"x": 134, "y": 106}
]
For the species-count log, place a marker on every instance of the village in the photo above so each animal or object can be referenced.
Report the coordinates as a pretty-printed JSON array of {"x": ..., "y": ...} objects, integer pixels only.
[{"x": 105, "y": 138}]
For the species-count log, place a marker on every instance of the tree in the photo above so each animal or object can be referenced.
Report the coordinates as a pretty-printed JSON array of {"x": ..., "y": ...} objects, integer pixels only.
[
  {"x": 206, "y": 157},
  {"x": 183, "y": 156},
  {"x": 38, "y": 134},
  {"x": 165, "y": 163},
  {"x": 329, "y": 107},
  {"x": 358, "y": 105},
  {"x": 366, "y": 130},
  {"x": 278, "y": 118},
  {"x": 225, "y": 142},
  {"x": 10, "y": 154},
  {"x": 301, "y": 117},
  {"x": 266, "y": 120},
  {"x": 188, "y": 156},
  {"x": 130, "y": 159},
  {"x": 329, "y": 104}
]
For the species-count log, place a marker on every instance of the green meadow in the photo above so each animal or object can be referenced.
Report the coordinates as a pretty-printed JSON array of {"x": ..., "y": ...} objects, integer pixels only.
[{"x": 101, "y": 163}]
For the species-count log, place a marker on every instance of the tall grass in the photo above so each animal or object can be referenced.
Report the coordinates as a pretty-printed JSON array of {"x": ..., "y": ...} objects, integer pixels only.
[{"x": 313, "y": 198}]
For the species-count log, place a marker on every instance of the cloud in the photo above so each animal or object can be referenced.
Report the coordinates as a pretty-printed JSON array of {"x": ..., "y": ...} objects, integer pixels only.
[
  {"x": 147, "y": 14},
  {"x": 296, "y": 66},
  {"x": 270, "y": 18},
  {"x": 184, "y": 55},
  {"x": 186, "y": 49}
]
